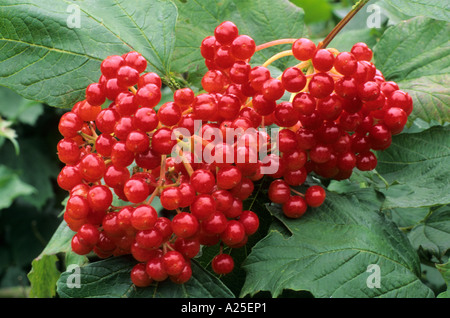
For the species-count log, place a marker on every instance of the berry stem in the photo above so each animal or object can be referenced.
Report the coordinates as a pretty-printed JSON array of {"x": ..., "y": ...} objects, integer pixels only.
[
  {"x": 133, "y": 90},
  {"x": 273, "y": 43},
  {"x": 298, "y": 193},
  {"x": 355, "y": 9},
  {"x": 277, "y": 56}
]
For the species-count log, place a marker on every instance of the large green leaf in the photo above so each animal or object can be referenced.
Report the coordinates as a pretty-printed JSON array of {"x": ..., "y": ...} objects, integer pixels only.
[
  {"x": 436, "y": 9},
  {"x": 333, "y": 251},
  {"x": 417, "y": 168},
  {"x": 111, "y": 278},
  {"x": 416, "y": 54},
  {"x": 46, "y": 56},
  {"x": 263, "y": 20}
]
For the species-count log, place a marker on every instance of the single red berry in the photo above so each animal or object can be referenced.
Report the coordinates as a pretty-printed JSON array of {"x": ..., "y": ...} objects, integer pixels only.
[
  {"x": 295, "y": 207},
  {"x": 99, "y": 197},
  {"x": 323, "y": 60},
  {"x": 250, "y": 220},
  {"x": 170, "y": 198},
  {"x": 137, "y": 141},
  {"x": 362, "y": 52},
  {"x": 321, "y": 85},
  {"x": 155, "y": 269},
  {"x": 222, "y": 264},
  {"x": 148, "y": 95},
  {"x": 203, "y": 181},
  {"x": 185, "y": 225},
  {"x": 345, "y": 63},
  {"x": 169, "y": 114},
  {"x": 243, "y": 47},
  {"x": 293, "y": 79},
  {"x": 78, "y": 247},
  {"x": 226, "y": 32},
  {"x": 92, "y": 167},
  {"x": 144, "y": 217},
  {"x": 303, "y": 49},
  {"x": 173, "y": 262},
  {"x": 136, "y": 190},
  {"x": 88, "y": 235},
  {"x": 149, "y": 239},
  {"x": 315, "y": 196},
  {"x": 234, "y": 233},
  {"x": 95, "y": 95}
]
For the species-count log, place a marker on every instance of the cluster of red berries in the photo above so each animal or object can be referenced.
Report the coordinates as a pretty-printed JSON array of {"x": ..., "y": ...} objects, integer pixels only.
[{"x": 115, "y": 142}]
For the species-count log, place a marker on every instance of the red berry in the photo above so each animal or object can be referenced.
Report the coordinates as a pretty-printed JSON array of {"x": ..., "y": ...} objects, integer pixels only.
[
  {"x": 226, "y": 32},
  {"x": 293, "y": 79},
  {"x": 303, "y": 49},
  {"x": 170, "y": 198},
  {"x": 185, "y": 225},
  {"x": 243, "y": 47},
  {"x": 295, "y": 207},
  {"x": 315, "y": 196},
  {"x": 323, "y": 60},
  {"x": 144, "y": 217},
  {"x": 222, "y": 264},
  {"x": 148, "y": 95}
]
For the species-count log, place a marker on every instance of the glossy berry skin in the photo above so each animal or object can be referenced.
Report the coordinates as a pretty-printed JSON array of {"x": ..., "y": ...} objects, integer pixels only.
[
  {"x": 185, "y": 225},
  {"x": 295, "y": 207},
  {"x": 170, "y": 198},
  {"x": 323, "y": 60},
  {"x": 139, "y": 276},
  {"x": 293, "y": 79},
  {"x": 226, "y": 32},
  {"x": 315, "y": 196},
  {"x": 303, "y": 49},
  {"x": 144, "y": 217},
  {"x": 250, "y": 220},
  {"x": 222, "y": 264},
  {"x": 243, "y": 47},
  {"x": 203, "y": 181}
]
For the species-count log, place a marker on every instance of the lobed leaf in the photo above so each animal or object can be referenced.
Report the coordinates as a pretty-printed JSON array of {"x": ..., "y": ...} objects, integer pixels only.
[
  {"x": 51, "y": 50},
  {"x": 417, "y": 168},
  {"x": 332, "y": 251},
  {"x": 436, "y": 9},
  {"x": 110, "y": 278},
  {"x": 416, "y": 54}
]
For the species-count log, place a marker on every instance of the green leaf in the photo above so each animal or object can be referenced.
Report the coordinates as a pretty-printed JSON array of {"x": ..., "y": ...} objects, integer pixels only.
[
  {"x": 51, "y": 50},
  {"x": 263, "y": 20},
  {"x": 35, "y": 166},
  {"x": 417, "y": 168},
  {"x": 416, "y": 54},
  {"x": 432, "y": 235},
  {"x": 444, "y": 269},
  {"x": 436, "y": 9},
  {"x": 332, "y": 251},
  {"x": 43, "y": 277},
  {"x": 111, "y": 278},
  {"x": 11, "y": 187},
  {"x": 15, "y": 108},
  {"x": 315, "y": 10}
]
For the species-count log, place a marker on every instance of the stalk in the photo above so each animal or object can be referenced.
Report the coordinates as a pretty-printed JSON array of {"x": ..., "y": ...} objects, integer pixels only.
[{"x": 355, "y": 9}]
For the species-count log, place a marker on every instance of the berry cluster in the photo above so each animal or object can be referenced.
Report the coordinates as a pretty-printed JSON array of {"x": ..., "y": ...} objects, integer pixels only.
[{"x": 117, "y": 143}]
